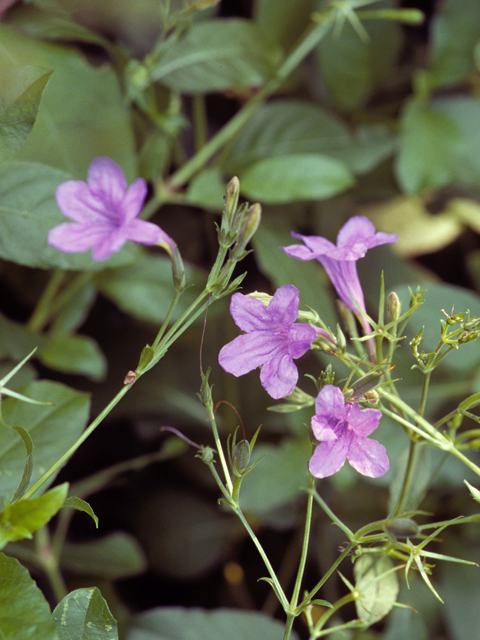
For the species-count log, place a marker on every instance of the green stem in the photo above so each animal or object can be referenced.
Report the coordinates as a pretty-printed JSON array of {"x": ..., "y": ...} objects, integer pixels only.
[
  {"x": 221, "y": 455},
  {"x": 303, "y": 557},
  {"x": 71, "y": 450},
  {"x": 256, "y": 542},
  {"x": 41, "y": 312},
  {"x": 311, "y": 38},
  {"x": 408, "y": 479}
]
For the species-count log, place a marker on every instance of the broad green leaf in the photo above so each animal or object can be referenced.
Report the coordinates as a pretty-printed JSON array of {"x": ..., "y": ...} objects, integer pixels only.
[
  {"x": 422, "y": 470},
  {"x": 28, "y": 211},
  {"x": 74, "y": 354},
  {"x": 207, "y": 190},
  {"x": 16, "y": 340},
  {"x": 114, "y": 557},
  {"x": 288, "y": 127},
  {"x": 82, "y": 113},
  {"x": 20, "y": 519},
  {"x": 53, "y": 430},
  {"x": 173, "y": 545},
  {"x": 352, "y": 67},
  {"x": 215, "y": 55},
  {"x": 429, "y": 147},
  {"x": 281, "y": 269},
  {"x": 406, "y": 623},
  {"x": 283, "y": 21},
  {"x": 75, "y": 311},
  {"x": 145, "y": 290},
  {"x": 24, "y": 612},
  {"x": 455, "y": 30},
  {"x": 278, "y": 477},
  {"x": 21, "y": 88},
  {"x": 301, "y": 176},
  {"x": 377, "y": 585},
  {"x": 85, "y": 615},
  {"x": 178, "y": 623},
  {"x": 74, "y": 502}
]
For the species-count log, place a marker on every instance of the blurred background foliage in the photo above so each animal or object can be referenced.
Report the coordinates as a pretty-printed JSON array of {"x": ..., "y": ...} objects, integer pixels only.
[{"x": 381, "y": 119}]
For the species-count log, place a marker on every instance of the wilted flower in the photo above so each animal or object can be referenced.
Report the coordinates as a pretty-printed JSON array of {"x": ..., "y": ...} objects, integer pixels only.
[
  {"x": 104, "y": 213},
  {"x": 272, "y": 340},
  {"x": 342, "y": 429},
  {"x": 354, "y": 239}
]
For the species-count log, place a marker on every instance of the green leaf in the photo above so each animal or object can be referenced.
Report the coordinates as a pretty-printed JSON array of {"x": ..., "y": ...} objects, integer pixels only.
[
  {"x": 20, "y": 519},
  {"x": 21, "y": 90},
  {"x": 82, "y": 114},
  {"x": 80, "y": 505},
  {"x": 74, "y": 354},
  {"x": 455, "y": 30},
  {"x": 85, "y": 615},
  {"x": 283, "y": 21},
  {"x": 173, "y": 623},
  {"x": 215, "y": 55},
  {"x": 377, "y": 584},
  {"x": 207, "y": 189},
  {"x": 429, "y": 147},
  {"x": 353, "y": 68},
  {"x": 278, "y": 477},
  {"x": 173, "y": 545},
  {"x": 302, "y": 176},
  {"x": 288, "y": 127},
  {"x": 75, "y": 311},
  {"x": 53, "y": 430},
  {"x": 422, "y": 470},
  {"x": 28, "y": 211},
  {"x": 16, "y": 340},
  {"x": 114, "y": 557},
  {"x": 145, "y": 290},
  {"x": 24, "y": 612}
]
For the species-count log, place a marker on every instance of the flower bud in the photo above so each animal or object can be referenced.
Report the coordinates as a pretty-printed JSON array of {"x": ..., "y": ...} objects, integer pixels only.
[
  {"x": 231, "y": 199},
  {"x": 241, "y": 455},
  {"x": 250, "y": 224},
  {"x": 403, "y": 528},
  {"x": 394, "y": 307}
]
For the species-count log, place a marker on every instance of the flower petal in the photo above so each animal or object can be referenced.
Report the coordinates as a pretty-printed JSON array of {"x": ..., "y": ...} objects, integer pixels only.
[
  {"x": 77, "y": 202},
  {"x": 328, "y": 458},
  {"x": 331, "y": 402},
  {"x": 363, "y": 421},
  {"x": 109, "y": 245},
  {"x": 143, "y": 231},
  {"x": 300, "y": 338},
  {"x": 106, "y": 181},
  {"x": 71, "y": 237},
  {"x": 368, "y": 457},
  {"x": 249, "y": 351},
  {"x": 344, "y": 277},
  {"x": 279, "y": 375},
  {"x": 357, "y": 236},
  {"x": 133, "y": 200},
  {"x": 283, "y": 307},
  {"x": 250, "y": 314}
]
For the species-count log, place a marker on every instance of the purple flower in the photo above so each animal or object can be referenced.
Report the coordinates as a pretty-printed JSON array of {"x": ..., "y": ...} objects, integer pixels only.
[
  {"x": 354, "y": 239},
  {"x": 272, "y": 340},
  {"x": 104, "y": 213},
  {"x": 342, "y": 429}
]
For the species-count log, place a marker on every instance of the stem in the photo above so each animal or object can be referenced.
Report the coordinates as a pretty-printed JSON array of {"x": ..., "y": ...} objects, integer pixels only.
[
  {"x": 408, "y": 478},
  {"x": 89, "y": 430},
  {"x": 303, "y": 557},
  {"x": 256, "y": 542},
  {"x": 41, "y": 312},
  {"x": 311, "y": 38},
  {"x": 221, "y": 455}
]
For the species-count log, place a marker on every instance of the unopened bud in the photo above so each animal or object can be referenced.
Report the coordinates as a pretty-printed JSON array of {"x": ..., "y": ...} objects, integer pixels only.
[
  {"x": 231, "y": 199},
  {"x": 249, "y": 225},
  {"x": 241, "y": 455},
  {"x": 394, "y": 307},
  {"x": 366, "y": 383},
  {"x": 403, "y": 528}
]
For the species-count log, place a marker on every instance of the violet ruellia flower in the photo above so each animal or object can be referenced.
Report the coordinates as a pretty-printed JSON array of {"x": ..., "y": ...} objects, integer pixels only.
[
  {"x": 272, "y": 340},
  {"x": 354, "y": 239},
  {"x": 104, "y": 213},
  {"x": 342, "y": 429}
]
